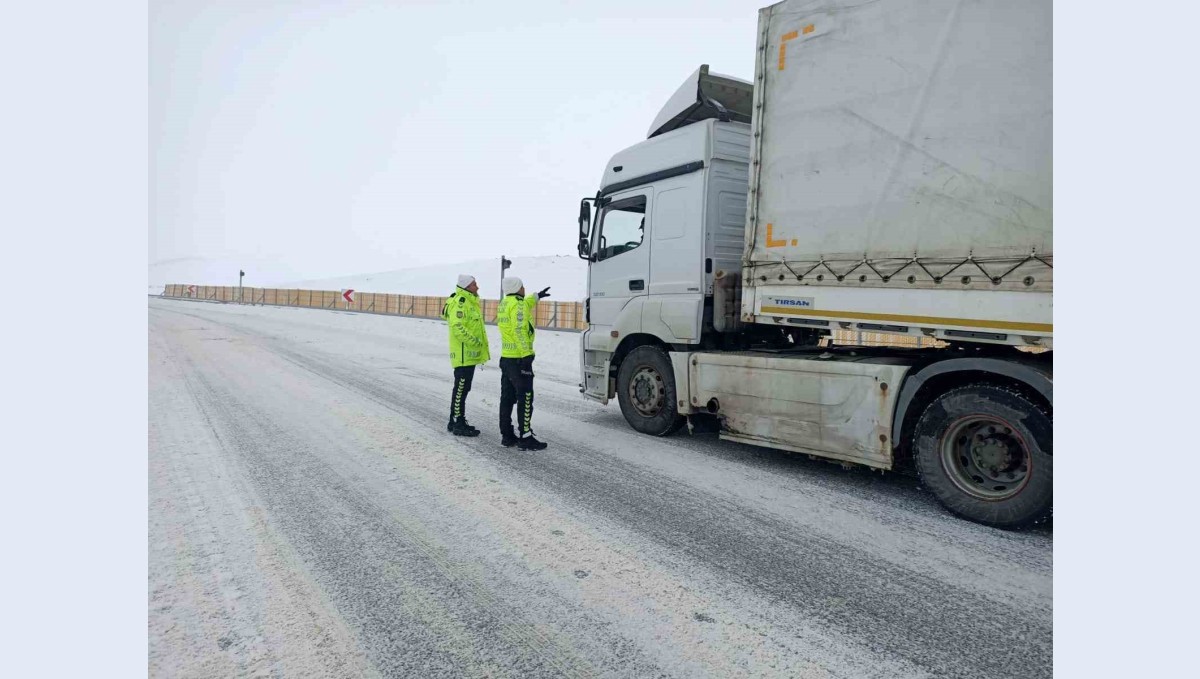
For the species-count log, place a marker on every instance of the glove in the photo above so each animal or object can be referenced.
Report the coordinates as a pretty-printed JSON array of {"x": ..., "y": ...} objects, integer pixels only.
[{"x": 545, "y": 292}]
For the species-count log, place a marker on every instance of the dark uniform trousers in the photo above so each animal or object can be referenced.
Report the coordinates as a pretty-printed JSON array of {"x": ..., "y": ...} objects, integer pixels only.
[
  {"x": 462, "y": 386},
  {"x": 516, "y": 388}
]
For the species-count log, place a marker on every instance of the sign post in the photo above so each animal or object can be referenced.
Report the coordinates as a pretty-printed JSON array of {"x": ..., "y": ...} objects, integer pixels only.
[
  {"x": 504, "y": 264},
  {"x": 241, "y": 291},
  {"x": 348, "y": 295}
]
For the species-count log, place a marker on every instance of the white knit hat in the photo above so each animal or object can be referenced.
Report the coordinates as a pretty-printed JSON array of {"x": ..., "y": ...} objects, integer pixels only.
[
  {"x": 511, "y": 284},
  {"x": 464, "y": 280}
]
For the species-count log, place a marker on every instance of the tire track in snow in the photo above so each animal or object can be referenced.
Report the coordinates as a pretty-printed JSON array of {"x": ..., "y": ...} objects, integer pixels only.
[
  {"x": 634, "y": 616},
  {"x": 410, "y": 605},
  {"x": 226, "y": 596},
  {"x": 954, "y": 632},
  {"x": 945, "y": 630}
]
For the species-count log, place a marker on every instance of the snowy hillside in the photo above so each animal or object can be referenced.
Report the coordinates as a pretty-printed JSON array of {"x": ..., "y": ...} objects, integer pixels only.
[{"x": 566, "y": 275}]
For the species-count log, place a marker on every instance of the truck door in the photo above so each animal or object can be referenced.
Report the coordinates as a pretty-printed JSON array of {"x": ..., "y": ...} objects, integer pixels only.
[{"x": 621, "y": 267}]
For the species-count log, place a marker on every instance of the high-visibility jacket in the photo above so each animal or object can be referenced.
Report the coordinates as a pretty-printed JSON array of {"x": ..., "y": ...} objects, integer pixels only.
[
  {"x": 516, "y": 320},
  {"x": 468, "y": 339}
]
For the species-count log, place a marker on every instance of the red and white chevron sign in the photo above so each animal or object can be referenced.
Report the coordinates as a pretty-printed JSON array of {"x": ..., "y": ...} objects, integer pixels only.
[
  {"x": 191, "y": 290},
  {"x": 348, "y": 295}
]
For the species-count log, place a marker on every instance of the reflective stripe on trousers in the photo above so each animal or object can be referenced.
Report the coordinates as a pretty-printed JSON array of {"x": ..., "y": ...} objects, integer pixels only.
[
  {"x": 463, "y": 376},
  {"x": 516, "y": 390}
]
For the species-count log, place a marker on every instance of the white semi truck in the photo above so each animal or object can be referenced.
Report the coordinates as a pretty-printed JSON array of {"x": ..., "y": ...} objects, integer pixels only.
[{"x": 889, "y": 170}]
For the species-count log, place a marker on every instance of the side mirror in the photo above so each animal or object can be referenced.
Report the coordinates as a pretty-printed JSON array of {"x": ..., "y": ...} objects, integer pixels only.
[
  {"x": 585, "y": 218},
  {"x": 585, "y": 227}
]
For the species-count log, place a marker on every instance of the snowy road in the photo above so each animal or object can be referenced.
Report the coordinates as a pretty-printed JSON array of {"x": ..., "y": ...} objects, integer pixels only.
[{"x": 310, "y": 516}]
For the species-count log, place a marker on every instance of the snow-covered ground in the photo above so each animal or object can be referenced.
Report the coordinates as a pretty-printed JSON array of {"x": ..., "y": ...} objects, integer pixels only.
[
  {"x": 311, "y": 516},
  {"x": 566, "y": 275}
]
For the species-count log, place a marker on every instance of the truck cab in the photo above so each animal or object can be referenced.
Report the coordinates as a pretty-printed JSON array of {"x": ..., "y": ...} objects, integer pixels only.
[{"x": 670, "y": 213}]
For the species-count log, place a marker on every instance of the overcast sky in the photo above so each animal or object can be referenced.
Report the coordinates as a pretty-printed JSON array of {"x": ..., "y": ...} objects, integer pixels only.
[{"x": 341, "y": 137}]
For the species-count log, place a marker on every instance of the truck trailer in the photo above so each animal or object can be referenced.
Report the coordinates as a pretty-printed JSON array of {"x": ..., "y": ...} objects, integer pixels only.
[{"x": 888, "y": 170}]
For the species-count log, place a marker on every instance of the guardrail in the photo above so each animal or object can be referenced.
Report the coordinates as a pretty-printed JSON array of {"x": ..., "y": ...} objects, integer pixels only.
[{"x": 551, "y": 315}]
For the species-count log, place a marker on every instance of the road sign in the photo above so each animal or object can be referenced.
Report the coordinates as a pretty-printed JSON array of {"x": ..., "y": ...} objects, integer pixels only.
[
  {"x": 191, "y": 290},
  {"x": 348, "y": 295}
]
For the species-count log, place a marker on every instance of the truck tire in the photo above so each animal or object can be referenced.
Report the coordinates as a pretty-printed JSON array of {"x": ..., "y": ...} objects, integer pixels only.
[
  {"x": 980, "y": 449},
  {"x": 646, "y": 392}
]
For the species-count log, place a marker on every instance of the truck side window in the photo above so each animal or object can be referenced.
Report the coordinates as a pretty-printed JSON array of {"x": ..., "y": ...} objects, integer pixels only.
[{"x": 622, "y": 227}]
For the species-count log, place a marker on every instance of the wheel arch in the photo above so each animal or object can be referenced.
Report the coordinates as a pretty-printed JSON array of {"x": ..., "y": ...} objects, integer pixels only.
[
  {"x": 631, "y": 342},
  {"x": 920, "y": 389}
]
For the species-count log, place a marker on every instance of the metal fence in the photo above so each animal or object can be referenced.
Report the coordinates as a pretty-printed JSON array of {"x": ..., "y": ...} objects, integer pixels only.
[{"x": 553, "y": 315}]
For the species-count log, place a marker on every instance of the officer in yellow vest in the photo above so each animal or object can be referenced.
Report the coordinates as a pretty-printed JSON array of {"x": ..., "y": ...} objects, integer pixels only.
[
  {"x": 516, "y": 317},
  {"x": 468, "y": 348}
]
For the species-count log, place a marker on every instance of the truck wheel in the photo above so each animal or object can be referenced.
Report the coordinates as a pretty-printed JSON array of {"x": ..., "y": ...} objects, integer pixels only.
[
  {"x": 979, "y": 449},
  {"x": 646, "y": 391}
]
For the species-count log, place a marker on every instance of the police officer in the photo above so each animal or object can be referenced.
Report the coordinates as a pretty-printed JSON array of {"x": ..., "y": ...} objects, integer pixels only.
[
  {"x": 468, "y": 348},
  {"x": 515, "y": 318}
]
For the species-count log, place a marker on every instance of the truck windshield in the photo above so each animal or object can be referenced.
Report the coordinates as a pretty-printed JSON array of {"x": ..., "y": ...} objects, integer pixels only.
[{"x": 622, "y": 227}]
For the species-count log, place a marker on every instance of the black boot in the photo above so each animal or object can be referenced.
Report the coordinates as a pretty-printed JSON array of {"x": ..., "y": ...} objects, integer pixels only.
[
  {"x": 463, "y": 429},
  {"x": 467, "y": 425},
  {"x": 530, "y": 443},
  {"x": 508, "y": 439}
]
